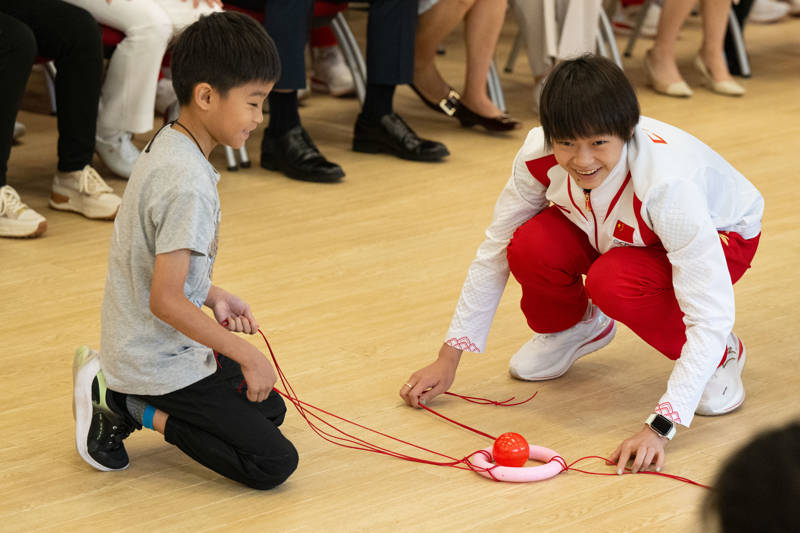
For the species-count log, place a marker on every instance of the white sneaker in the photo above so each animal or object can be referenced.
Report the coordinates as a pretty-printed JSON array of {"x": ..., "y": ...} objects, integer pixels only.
[
  {"x": 767, "y": 11},
  {"x": 16, "y": 218},
  {"x": 19, "y": 131},
  {"x": 549, "y": 355},
  {"x": 725, "y": 391},
  {"x": 331, "y": 74},
  {"x": 624, "y": 20},
  {"x": 117, "y": 152},
  {"x": 84, "y": 192}
]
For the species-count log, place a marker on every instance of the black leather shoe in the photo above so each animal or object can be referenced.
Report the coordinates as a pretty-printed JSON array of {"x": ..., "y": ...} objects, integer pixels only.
[
  {"x": 296, "y": 155},
  {"x": 393, "y": 136}
]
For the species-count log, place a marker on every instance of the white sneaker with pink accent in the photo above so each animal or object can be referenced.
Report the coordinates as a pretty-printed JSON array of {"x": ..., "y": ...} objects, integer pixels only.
[
  {"x": 725, "y": 391},
  {"x": 549, "y": 355}
]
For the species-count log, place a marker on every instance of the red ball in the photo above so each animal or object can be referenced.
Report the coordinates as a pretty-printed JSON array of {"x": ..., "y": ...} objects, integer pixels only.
[{"x": 510, "y": 449}]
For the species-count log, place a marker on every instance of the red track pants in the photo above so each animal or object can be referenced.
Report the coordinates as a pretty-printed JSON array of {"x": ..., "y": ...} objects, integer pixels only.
[{"x": 549, "y": 254}]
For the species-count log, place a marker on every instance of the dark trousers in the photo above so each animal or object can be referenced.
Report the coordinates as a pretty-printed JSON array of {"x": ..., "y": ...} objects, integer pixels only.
[
  {"x": 214, "y": 423},
  {"x": 71, "y": 38},
  {"x": 391, "y": 27}
]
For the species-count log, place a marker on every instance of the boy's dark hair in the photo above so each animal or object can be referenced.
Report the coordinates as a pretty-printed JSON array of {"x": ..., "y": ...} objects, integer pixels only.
[
  {"x": 587, "y": 96},
  {"x": 758, "y": 487},
  {"x": 225, "y": 50}
]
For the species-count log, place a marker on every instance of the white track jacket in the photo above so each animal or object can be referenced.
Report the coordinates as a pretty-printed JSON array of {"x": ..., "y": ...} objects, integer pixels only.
[{"x": 667, "y": 186}]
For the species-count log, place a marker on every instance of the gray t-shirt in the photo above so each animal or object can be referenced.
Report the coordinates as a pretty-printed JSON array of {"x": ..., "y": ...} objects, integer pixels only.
[{"x": 171, "y": 203}]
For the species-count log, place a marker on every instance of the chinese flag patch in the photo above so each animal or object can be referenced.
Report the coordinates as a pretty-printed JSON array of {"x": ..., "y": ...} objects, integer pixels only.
[{"x": 623, "y": 232}]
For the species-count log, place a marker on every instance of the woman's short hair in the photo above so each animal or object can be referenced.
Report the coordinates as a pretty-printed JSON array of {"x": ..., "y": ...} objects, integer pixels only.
[{"x": 587, "y": 96}]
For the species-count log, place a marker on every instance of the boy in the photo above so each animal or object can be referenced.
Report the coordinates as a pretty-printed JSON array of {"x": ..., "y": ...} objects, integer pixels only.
[
  {"x": 660, "y": 225},
  {"x": 161, "y": 365}
]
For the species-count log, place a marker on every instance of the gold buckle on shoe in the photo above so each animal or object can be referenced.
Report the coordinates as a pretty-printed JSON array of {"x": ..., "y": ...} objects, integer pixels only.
[{"x": 449, "y": 104}]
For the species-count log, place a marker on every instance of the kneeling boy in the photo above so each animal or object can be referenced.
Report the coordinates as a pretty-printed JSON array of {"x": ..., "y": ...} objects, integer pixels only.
[{"x": 161, "y": 365}]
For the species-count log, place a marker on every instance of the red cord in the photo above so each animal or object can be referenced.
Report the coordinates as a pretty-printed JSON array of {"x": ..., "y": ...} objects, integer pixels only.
[
  {"x": 484, "y": 401},
  {"x": 347, "y": 440}
]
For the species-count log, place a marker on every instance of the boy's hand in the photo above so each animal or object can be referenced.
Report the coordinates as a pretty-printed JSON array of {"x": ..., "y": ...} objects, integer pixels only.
[
  {"x": 231, "y": 311},
  {"x": 645, "y": 448},
  {"x": 259, "y": 375}
]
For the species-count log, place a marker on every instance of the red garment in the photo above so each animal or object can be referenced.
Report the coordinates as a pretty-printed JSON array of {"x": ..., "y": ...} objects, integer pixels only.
[{"x": 630, "y": 284}]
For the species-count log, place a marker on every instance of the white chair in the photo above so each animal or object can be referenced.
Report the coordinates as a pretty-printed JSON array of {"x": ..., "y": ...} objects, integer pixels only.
[{"x": 606, "y": 43}]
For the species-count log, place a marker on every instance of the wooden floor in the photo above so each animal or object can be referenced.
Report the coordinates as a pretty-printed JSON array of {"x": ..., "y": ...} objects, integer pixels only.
[{"x": 355, "y": 284}]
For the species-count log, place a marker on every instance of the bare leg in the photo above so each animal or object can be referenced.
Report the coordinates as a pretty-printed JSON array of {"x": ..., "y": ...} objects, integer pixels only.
[
  {"x": 715, "y": 22},
  {"x": 482, "y": 27},
  {"x": 433, "y": 26},
  {"x": 160, "y": 420},
  {"x": 662, "y": 54}
]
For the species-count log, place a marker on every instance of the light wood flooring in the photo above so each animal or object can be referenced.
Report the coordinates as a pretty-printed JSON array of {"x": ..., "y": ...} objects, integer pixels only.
[{"x": 355, "y": 284}]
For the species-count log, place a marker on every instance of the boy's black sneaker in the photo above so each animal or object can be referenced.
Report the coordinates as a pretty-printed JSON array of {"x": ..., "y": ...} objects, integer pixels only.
[{"x": 99, "y": 429}]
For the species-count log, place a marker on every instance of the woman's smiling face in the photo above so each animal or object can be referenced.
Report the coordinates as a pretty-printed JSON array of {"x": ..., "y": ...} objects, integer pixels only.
[{"x": 589, "y": 160}]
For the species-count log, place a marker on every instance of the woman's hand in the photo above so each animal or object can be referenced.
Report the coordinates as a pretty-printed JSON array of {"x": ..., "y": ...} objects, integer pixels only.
[
  {"x": 646, "y": 448},
  {"x": 428, "y": 382}
]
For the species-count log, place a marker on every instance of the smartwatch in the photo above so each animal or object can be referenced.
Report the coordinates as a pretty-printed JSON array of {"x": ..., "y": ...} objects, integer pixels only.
[{"x": 661, "y": 425}]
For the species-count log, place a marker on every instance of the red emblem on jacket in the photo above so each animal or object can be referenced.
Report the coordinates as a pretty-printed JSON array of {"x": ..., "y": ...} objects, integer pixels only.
[{"x": 623, "y": 232}]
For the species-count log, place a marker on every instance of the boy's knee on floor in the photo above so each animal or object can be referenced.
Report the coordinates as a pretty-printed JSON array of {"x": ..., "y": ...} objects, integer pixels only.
[{"x": 272, "y": 470}]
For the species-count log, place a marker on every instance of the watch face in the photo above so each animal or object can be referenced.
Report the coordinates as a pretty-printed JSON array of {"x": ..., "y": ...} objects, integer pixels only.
[{"x": 661, "y": 424}]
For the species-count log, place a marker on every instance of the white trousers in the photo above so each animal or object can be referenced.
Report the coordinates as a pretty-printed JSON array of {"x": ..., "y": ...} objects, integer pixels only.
[
  {"x": 129, "y": 90},
  {"x": 557, "y": 29}
]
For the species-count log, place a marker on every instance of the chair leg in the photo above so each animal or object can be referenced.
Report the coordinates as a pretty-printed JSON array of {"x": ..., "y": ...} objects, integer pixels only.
[
  {"x": 738, "y": 40},
  {"x": 352, "y": 54},
  {"x": 512, "y": 56},
  {"x": 605, "y": 35},
  {"x": 49, "y": 70},
  {"x": 495, "y": 89},
  {"x": 230, "y": 157},
  {"x": 244, "y": 159},
  {"x": 638, "y": 29}
]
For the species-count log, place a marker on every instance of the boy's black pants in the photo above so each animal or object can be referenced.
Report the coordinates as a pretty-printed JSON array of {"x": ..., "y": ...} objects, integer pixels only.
[{"x": 214, "y": 423}]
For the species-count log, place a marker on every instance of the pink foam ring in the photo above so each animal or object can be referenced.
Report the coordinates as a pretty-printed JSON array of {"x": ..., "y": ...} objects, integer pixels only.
[{"x": 519, "y": 474}]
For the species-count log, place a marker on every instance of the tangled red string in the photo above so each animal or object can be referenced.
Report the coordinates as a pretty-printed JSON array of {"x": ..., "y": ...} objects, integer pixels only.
[{"x": 339, "y": 437}]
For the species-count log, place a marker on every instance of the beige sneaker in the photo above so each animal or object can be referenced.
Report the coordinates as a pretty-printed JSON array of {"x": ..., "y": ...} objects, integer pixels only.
[
  {"x": 85, "y": 192},
  {"x": 16, "y": 218}
]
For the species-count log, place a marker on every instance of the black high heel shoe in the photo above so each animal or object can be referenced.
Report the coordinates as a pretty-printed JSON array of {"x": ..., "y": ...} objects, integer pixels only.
[
  {"x": 446, "y": 105},
  {"x": 452, "y": 106},
  {"x": 468, "y": 118}
]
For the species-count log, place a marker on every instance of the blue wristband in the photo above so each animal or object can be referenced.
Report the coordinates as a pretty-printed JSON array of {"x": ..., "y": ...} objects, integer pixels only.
[{"x": 147, "y": 416}]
